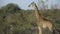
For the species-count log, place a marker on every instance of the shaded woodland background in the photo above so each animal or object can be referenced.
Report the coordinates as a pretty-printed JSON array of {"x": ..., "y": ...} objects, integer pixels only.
[{"x": 14, "y": 20}]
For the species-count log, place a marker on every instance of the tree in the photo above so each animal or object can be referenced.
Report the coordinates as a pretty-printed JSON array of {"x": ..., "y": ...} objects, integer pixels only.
[{"x": 43, "y": 4}]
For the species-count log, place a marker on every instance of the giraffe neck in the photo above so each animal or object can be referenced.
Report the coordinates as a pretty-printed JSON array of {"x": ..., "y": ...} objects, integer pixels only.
[{"x": 38, "y": 15}]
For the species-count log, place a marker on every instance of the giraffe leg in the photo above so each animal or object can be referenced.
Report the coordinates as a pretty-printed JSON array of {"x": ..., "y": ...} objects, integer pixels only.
[
  {"x": 40, "y": 30},
  {"x": 51, "y": 29}
]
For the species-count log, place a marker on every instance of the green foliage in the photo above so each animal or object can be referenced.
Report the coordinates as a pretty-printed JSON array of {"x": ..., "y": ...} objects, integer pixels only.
[{"x": 14, "y": 20}]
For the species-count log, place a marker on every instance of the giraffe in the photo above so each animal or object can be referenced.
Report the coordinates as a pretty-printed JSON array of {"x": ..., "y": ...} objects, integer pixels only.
[{"x": 41, "y": 21}]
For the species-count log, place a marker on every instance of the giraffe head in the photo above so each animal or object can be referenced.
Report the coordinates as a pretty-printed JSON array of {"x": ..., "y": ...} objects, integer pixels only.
[{"x": 32, "y": 4}]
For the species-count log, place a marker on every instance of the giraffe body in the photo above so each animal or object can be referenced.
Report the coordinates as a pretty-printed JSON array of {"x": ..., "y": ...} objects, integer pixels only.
[{"x": 42, "y": 22}]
